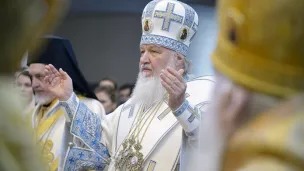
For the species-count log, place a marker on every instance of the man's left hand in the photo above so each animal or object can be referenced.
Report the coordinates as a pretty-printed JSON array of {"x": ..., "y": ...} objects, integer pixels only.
[{"x": 175, "y": 85}]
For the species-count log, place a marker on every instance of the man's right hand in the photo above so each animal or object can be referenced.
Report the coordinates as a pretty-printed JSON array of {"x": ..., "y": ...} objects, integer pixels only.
[{"x": 58, "y": 83}]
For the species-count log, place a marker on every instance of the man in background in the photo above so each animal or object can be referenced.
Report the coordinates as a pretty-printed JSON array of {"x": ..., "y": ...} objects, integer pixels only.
[
  {"x": 48, "y": 118},
  {"x": 107, "y": 97},
  {"x": 125, "y": 92},
  {"x": 108, "y": 82}
]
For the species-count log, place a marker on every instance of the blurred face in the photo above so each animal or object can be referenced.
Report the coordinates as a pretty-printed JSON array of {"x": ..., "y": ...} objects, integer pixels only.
[
  {"x": 106, "y": 102},
  {"x": 124, "y": 95},
  {"x": 25, "y": 85},
  {"x": 155, "y": 58},
  {"x": 38, "y": 74}
]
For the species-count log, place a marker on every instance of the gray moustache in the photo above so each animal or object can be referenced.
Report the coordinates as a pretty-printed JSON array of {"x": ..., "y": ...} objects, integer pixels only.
[{"x": 37, "y": 90}]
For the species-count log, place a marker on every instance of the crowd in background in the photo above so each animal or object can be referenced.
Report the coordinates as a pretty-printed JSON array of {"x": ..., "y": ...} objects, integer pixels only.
[{"x": 110, "y": 95}]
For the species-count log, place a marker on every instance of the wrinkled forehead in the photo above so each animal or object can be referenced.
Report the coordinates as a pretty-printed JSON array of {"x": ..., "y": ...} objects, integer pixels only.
[
  {"x": 36, "y": 68},
  {"x": 151, "y": 46},
  {"x": 107, "y": 83}
]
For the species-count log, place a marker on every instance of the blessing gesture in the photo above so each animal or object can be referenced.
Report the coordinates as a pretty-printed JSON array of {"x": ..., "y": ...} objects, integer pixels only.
[
  {"x": 175, "y": 85},
  {"x": 58, "y": 83}
]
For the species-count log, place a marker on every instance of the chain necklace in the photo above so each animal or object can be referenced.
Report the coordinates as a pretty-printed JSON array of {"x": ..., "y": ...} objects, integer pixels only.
[{"x": 133, "y": 159}]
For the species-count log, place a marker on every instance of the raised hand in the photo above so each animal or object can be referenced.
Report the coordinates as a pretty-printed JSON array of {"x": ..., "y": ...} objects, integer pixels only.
[
  {"x": 175, "y": 85},
  {"x": 58, "y": 83}
]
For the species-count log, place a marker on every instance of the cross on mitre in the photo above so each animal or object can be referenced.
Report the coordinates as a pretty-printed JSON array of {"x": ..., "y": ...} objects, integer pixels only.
[{"x": 168, "y": 16}]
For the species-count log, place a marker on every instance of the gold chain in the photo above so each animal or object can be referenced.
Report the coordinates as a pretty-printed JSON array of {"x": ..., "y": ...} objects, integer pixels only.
[
  {"x": 136, "y": 122},
  {"x": 127, "y": 157},
  {"x": 155, "y": 112}
]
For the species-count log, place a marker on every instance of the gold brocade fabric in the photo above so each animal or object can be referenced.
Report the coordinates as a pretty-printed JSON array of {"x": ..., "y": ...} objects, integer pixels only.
[
  {"x": 25, "y": 22},
  {"x": 272, "y": 142},
  {"x": 44, "y": 128}
]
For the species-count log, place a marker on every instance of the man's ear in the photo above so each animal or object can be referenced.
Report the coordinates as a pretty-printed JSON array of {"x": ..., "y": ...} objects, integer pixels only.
[{"x": 180, "y": 61}]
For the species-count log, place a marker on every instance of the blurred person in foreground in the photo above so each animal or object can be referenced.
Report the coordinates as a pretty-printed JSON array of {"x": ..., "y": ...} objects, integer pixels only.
[
  {"x": 48, "y": 118},
  {"x": 157, "y": 127},
  {"x": 256, "y": 121},
  {"x": 107, "y": 97},
  {"x": 24, "y": 22}
]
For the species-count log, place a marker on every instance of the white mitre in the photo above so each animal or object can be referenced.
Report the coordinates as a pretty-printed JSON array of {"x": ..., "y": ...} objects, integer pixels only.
[{"x": 170, "y": 24}]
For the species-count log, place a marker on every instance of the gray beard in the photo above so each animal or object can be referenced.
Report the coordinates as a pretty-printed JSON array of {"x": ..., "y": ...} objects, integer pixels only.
[
  {"x": 42, "y": 100},
  {"x": 148, "y": 90}
]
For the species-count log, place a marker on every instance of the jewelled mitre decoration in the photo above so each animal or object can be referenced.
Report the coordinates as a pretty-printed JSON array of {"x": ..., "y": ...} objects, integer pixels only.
[{"x": 169, "y": 23}]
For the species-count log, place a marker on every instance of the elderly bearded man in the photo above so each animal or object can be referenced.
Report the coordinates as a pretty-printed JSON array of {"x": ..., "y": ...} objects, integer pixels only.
[
  {"x": 48, "y": 118},
  {"x": 146, "y": 131}
]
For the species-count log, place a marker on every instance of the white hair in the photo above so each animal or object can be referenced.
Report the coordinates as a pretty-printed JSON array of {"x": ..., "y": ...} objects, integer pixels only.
[
  {"x": 42, "y": 100},
  {"x": 148, "y": 90},
  {"x": 187, "y": 66}
]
